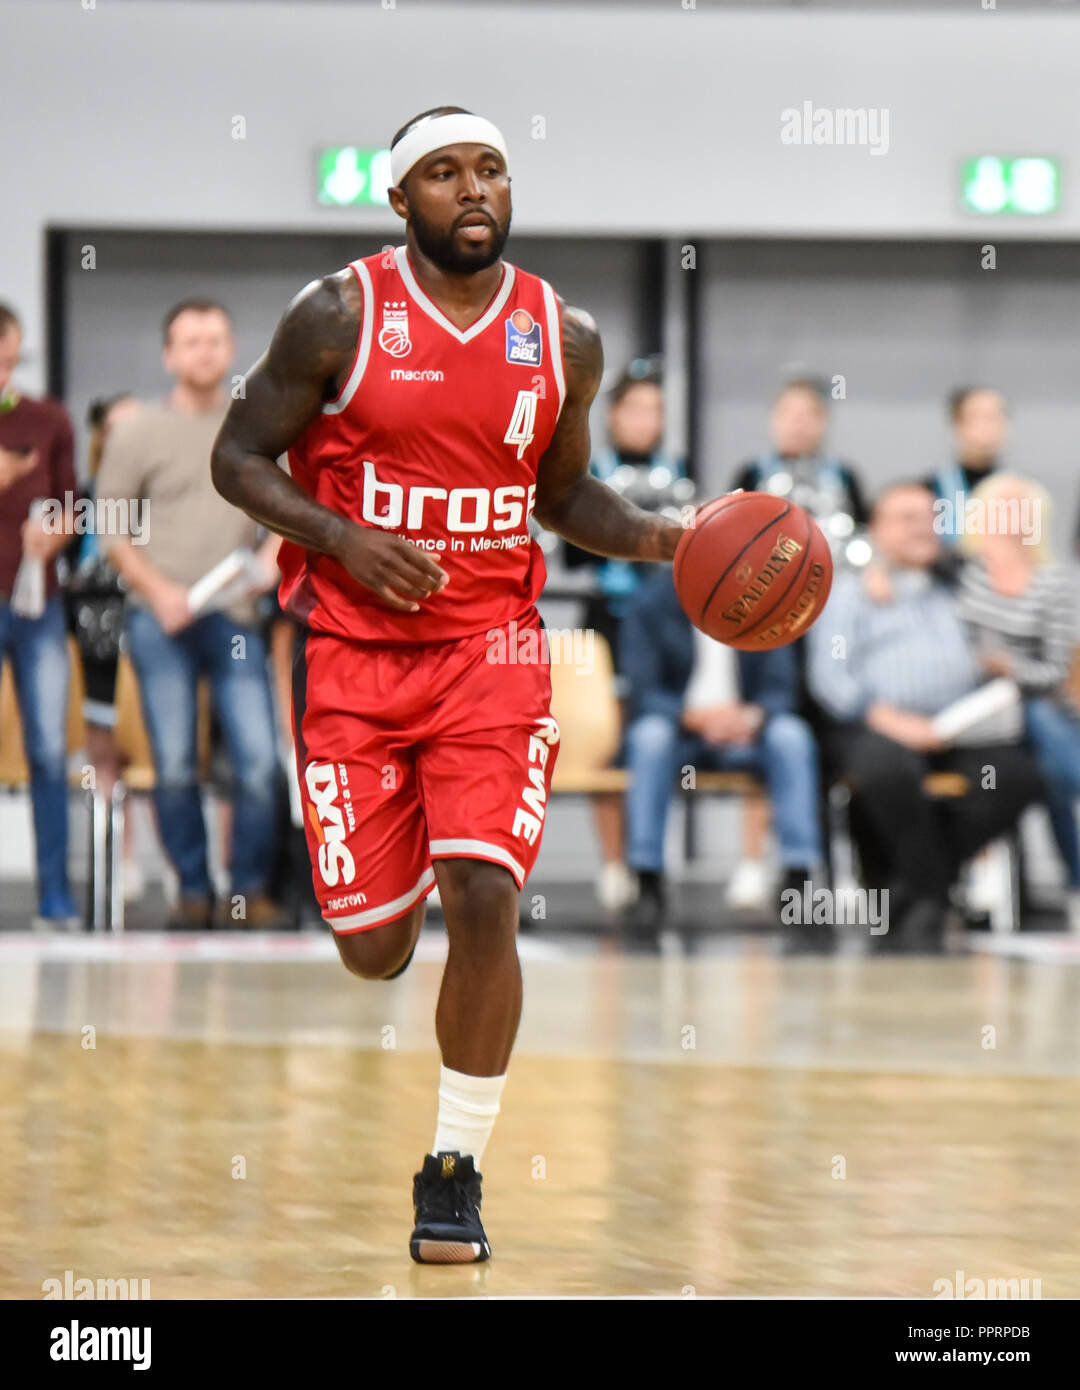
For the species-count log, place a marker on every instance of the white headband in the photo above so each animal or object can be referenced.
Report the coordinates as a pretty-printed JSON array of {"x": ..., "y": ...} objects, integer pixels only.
[{"x": 438, "y": 131}]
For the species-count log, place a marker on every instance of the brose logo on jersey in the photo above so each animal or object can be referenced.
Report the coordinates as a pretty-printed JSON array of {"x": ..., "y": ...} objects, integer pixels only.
[
  {"x": 335, "y": 860},
  {"x": 467, "y": 509},
  {"x": 523, "y": 343}
]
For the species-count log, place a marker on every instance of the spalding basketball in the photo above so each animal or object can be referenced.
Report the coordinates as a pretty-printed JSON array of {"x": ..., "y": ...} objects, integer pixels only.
[{"x": 753, "y": 570}]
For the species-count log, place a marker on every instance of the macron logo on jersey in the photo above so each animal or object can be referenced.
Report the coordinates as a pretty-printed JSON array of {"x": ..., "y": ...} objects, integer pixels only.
[{"x": 464, "y": 509}]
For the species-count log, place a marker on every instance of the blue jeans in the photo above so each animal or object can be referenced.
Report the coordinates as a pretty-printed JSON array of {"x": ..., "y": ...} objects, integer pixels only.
[
  {"x": 39, "y": 659},
  {"x": 785, "y": 754},
  {"x": 1054, "y": 735},
  {"x": 169, "y": 668}
]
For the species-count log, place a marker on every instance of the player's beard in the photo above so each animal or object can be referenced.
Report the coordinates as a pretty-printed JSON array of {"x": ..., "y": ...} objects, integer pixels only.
[{"x": 448, "y": 254}]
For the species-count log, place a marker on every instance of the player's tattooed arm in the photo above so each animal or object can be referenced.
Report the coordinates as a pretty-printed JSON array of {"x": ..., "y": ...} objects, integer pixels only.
[
  {"x": 307, "y": 364},
  {"x": 569, "y": 499}
]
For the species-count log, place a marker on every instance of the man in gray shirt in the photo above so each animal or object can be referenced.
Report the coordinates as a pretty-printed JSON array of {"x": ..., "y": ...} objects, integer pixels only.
[
  {"x": 156, "y": 475},
  {"x": 885, "y": 658}
]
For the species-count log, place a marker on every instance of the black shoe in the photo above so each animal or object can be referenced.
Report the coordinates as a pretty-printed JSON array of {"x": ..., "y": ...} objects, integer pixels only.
[
  {"x": 643, "y": 920},
  {"x": 916, "y": 925},
  {"x": 446, "y": 1201},
  {"x": 801, "y": 934},
  {"x": 922, "y": 928}
]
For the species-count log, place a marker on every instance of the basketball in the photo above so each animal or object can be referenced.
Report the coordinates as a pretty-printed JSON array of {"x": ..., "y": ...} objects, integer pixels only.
[{"x": 753, "y": 571}]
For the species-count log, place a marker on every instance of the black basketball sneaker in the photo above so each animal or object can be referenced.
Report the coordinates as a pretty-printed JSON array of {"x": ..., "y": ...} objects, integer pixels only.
[{"x": 446, "y": 1200}]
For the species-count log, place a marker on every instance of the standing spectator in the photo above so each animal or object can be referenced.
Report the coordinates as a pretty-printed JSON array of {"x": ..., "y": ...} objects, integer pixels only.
[
  {"x": 980, "y": 425},
  {"x": 36, "y": 461},
  {"x": 799, "y": 466},
  {"x": 882, "y": 668},
  {"x": 1022, "y": 610},
  {"x": 161, "y": 456},
  {"x": 635, "y": 464},
  {"x": 696, "y": 702},
  {"x": 95, "y": 600}
]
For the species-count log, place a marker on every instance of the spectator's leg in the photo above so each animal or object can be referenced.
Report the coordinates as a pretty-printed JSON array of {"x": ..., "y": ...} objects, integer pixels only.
[
  {"x": 40, "y": 662},
  {"x": 1054, "y": 735},
  {"x": 237, "y": 662},
  {"x": 168, "y": 678},
  {"x": 790, "y": 763},
  {"x": 652, "y": 750},
  {"x": 888, "y": 778},
  {"x": 1005, "y": 780}
]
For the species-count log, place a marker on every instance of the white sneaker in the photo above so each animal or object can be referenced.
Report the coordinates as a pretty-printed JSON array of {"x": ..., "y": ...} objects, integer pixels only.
[
  {"x": 616, "y": 887},
  {"x": 134, "y": 881},
  {"x": 749, "y": 885},
  {"x": 985, "y": 886}
]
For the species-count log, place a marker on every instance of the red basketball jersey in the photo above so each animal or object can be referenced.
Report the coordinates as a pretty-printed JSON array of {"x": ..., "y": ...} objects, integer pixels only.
[{"x": 436, "y": 437}]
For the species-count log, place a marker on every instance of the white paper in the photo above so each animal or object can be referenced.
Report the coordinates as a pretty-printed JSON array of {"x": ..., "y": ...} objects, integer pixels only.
[
  {"x": 994, "y": 698},
  {"x": 233, "y": 578},
  {"x": 28, "y": 591}
]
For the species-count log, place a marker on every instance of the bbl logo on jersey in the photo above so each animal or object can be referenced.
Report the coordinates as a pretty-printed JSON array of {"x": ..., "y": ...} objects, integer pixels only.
[
  {"x": 394, "y": 335},
  {"x": 523, "y": 339}
]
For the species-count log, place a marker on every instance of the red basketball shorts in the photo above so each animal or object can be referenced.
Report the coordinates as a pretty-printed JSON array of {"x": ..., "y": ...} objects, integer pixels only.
[{"x": 409, "y": 752}]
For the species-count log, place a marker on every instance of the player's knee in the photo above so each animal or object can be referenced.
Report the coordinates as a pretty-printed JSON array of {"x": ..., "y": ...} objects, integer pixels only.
[
  {"x": 380, "y": 952},
  {"x": 478, "y": 898}
]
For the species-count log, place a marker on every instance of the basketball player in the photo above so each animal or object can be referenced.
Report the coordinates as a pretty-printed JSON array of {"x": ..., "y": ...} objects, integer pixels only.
[{"x": 430, "y": 398}]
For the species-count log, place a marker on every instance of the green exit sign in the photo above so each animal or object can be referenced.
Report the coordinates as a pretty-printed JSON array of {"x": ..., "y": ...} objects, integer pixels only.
[
  {"x": 351, "y": 177},
  {"x": 1029, "y": 185}
]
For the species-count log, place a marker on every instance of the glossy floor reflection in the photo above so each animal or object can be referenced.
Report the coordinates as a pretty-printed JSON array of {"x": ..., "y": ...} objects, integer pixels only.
[{"x": 736, "y": 1123}]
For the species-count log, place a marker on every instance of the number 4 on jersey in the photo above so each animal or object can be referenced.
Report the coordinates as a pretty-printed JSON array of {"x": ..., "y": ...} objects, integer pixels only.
[{"x": 523, "y": 422}]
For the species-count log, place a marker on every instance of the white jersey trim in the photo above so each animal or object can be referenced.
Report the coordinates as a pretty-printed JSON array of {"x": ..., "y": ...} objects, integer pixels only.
[
  {"x": 335, "y": 407},
  {"x": 555, "y": 339},
  {"x": 477, "y": 849},
  {"x": 357, "y": 921},
  {"x": 401, "y": 260}
]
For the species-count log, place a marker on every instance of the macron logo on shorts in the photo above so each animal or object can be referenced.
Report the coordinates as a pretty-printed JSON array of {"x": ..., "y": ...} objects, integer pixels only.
[{"x": 329, "y": 820}]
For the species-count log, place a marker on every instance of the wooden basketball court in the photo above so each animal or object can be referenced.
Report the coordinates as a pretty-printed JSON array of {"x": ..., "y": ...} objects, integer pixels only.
[{"x": 248, "y": 1120}]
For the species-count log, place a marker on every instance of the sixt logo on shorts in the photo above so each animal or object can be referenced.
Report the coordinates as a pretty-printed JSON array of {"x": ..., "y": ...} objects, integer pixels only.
[
  {"x": 329, "y": 820},
  {"x": 523, "y": 339}
]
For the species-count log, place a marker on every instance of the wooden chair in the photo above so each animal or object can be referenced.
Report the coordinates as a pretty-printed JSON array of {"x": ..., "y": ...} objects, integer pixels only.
[
  {"x": 14, "y": 770},
  {"x": 584, "y": 703}
]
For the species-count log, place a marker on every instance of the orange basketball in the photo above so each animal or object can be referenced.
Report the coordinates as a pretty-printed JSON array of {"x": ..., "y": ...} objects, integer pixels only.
[{"x": 753, "y": 570}]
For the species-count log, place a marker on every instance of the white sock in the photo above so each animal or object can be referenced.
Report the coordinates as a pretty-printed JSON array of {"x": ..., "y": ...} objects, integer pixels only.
[{"x": 467, "y": 1109}]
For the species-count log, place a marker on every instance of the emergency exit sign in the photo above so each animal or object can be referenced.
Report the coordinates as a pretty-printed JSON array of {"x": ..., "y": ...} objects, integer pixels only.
[
  {"x": 1029, "y": 185},
  {"x": 350, "y": 177}
]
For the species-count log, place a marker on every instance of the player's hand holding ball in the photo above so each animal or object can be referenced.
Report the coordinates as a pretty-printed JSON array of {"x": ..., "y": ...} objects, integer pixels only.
[
  {"x": 753, "y": 570},
  {"x": 400, "y": 573}
]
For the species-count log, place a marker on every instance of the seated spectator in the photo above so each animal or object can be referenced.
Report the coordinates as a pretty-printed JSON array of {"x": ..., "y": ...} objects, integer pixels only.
[
  {"x": 36, "y": 461},
  {"x": 633, "y": 462},
  {"x": 694, "y": 701},
  {"x": 980, "y": 425},
  {"x": 1021, "y": 608},
  {"x": 798, "y": 464},
  {"x": 883, "y": 668},
  {"x": 161, "y": 457}
]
